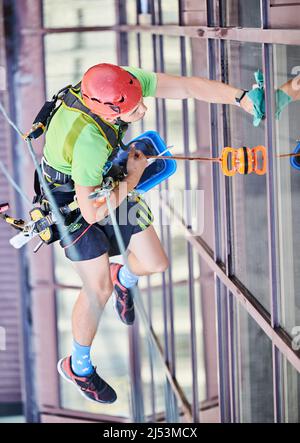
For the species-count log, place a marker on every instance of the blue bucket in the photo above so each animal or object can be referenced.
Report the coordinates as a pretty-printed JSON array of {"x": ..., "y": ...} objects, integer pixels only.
[
  {"x": 150, "y": 143},
  {"x": 295, "y": 161}
]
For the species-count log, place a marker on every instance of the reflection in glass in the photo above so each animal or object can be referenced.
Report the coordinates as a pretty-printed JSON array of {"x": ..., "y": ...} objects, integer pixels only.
[
  {"x": 240, "y": 13},
  {"x": 180, "y": 272},
  {"x": 291, "y": 392},
  {"x": 131, "y": 10},
  {"x": 169, "y": 12},
  {"x": 66, "y": 60},
  {"x": 286, "y": 67},
  {"x": 253, "y": 382},
  {"x": 248, "y": 192},
  {"x": 75, "y": 13},
  {"x": 153, "y": 375}
]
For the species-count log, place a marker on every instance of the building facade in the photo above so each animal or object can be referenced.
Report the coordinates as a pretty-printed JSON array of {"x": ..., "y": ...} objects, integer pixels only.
[{"x": 220, "y": 339}]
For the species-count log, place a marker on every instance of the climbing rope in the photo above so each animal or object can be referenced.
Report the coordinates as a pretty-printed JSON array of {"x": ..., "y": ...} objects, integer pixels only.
[
  {"x": 63, "y": 230},
  {"x": 14, "y": 184},
  {"x": 154, "y": 346}
]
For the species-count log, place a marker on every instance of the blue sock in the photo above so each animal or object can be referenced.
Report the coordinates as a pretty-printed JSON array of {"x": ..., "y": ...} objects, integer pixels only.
[
  {"x": 81, "y": 360},
  {"x": 127, "y": 278}
]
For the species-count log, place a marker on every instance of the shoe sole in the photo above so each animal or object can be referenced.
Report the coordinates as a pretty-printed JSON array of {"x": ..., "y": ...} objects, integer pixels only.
[{"x": 60, "y": 371}]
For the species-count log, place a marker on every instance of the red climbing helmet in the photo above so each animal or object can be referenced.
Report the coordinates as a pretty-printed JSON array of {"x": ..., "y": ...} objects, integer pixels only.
[{"x": 108, "y": 90}]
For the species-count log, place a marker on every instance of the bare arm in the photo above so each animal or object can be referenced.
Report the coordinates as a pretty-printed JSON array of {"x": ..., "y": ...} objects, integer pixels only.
[
  {"x": 292, "y": 88},
  {"x": 93, "y": 211},
  {"x": 211, "y": 91}
]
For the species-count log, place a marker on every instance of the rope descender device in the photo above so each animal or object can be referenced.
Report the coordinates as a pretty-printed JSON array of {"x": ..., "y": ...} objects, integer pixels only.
[
  {"x": 244, "y": 161},
  {"x": 105, "y": 189},
  {"x": 42, "y": 224}
]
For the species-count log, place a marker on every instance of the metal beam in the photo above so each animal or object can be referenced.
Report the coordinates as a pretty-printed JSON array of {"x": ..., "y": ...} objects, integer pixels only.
[
  {"x": 254, "y": 35},
  {"x": 272, "y": 216}
]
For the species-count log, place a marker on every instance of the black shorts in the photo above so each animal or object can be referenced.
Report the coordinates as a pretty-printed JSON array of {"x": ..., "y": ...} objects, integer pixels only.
[{"x": 86, "y": 242}]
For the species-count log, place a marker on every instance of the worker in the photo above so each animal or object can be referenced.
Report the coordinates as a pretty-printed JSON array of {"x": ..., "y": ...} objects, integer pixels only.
[{"x": 82, "y": 135}]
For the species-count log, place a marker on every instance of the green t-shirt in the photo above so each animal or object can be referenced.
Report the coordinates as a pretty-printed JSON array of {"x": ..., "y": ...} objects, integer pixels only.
[{"x": 74, "y": 144}]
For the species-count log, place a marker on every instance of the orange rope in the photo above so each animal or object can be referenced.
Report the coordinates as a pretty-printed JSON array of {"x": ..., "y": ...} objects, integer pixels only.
[
  {"x": 179, "y": 157},
  {"x": 288, "y": 155}
]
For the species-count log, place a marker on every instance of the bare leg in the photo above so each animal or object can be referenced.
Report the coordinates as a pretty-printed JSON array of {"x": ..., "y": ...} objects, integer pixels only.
[
  {"x": 97, "y": 288},
  {"x": 147, "y": 255}
]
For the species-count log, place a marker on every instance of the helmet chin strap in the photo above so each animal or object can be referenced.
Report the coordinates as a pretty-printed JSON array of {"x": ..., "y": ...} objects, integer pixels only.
[
  {"x": 121, "y": 125},
  {"x": 120, "y": 122}
]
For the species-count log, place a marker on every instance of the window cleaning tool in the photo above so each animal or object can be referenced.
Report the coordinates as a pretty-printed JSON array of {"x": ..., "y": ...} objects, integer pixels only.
[{"x": 151, "y": 160}]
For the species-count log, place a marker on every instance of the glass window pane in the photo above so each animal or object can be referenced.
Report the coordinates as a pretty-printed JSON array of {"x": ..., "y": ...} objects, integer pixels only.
[
  {"x": 182, "y": 338},
  {"x": 131, "y": 10},
  {"x": 72, "y": 13},
  {"x": 147, "y": 63},
  {"x": 68, "y": 56},
  {"x": 291, "y": 392},
  {"x": 146, "y": 51},
  {"x": 169, "y": 11},
  {"x": 286, "y": 67},
  {"x": 153, "y": 381},
  {"x": 172, "y": 60},
  {"x": 254, "y": 370},
  {"x": 200, "y": 339},
  {"x": 240, "y": 13},
  {"x": 248, "y": 193},
  {"x": 133, "y": 55},
  {"x": 180, "y": 271}
]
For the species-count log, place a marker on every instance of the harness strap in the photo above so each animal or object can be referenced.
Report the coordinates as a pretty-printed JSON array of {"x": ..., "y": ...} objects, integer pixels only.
[{"x": 72, "y": 100}]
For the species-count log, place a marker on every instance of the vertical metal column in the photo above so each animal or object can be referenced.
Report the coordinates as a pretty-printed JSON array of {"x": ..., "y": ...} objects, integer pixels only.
[
  {"x": 223, "y": 136},
  {"x": 39, "y": 294},
  {"x": 134, "y": 333},
  {"x": 138, "y": 41},
  {"x": 219, "y": 293},
  {"x": 15, "y": 394},
  {"x": 195, "y": 405},
  {"x": 169, "y": 333},
  {"x": 137, "y": 398},
  {"x": 150, "y": 353},
  {"x": 272, "y": 215}
]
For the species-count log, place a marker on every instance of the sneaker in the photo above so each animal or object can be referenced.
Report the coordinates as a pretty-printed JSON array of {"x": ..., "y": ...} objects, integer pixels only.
[
  {"x": 123, "y": 300},
  {"x": 92, "y": 387}
]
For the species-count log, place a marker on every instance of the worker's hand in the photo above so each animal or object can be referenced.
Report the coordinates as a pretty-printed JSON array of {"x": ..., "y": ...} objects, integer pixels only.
[
  {"x": 136, "y": 164},
  {"x": 247, "y": 104}
]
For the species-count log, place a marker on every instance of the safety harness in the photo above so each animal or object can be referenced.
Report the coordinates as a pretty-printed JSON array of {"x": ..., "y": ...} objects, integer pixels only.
[
  {"x": 61, "y": 182},
  {"x": 70, "y": 99}
]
